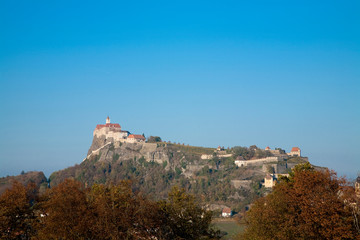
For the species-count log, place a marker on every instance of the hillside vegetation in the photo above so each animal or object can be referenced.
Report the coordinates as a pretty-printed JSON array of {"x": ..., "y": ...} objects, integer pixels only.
[{"x": 155, "y": 167}]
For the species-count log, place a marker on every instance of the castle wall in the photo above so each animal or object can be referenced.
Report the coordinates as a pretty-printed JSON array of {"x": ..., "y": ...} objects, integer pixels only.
[
  {"x": 259, "y": 161},
  {"x": 116, "y": 134}
]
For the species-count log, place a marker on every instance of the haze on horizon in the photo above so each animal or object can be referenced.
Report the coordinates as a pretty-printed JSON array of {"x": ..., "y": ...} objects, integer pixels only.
[{"x": 278, "y": 74}]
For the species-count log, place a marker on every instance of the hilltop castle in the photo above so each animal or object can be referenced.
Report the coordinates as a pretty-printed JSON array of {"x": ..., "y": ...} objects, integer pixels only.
[{"x": 113, "y": 130}]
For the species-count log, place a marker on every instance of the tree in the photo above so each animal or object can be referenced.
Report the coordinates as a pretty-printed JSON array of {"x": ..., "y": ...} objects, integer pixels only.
[
  {"x": 17, "y": 218},
  {"x": 66, "y": 214},
  {"x": 154, "y": 139},
  {"x": 122, "y": 214},
  {"x": 183, "y": 218},
  {"x": 308, "y": 204}
]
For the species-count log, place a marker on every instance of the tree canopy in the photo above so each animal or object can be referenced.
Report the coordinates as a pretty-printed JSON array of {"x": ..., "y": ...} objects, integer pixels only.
[
  {"x": 70, "y": 211},
  {"x": 308, "y": 204}
]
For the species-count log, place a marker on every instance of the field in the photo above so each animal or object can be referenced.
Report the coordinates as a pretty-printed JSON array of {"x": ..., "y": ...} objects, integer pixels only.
[{"x": 230, "y": 226}]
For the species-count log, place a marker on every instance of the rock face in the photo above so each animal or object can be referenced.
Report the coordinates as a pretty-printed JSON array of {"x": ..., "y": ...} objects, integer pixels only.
[
  {"x": 108, "y": 151},
  {"x": 36, "y": 177}
]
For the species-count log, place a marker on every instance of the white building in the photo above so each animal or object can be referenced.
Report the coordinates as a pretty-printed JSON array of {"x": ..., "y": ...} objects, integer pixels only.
[
  {"x": 295, "y": 151},
  {"x": 134, "y": 138},
  {"x": 226, "y": 212},
  {"x": 110, "y": 130}
]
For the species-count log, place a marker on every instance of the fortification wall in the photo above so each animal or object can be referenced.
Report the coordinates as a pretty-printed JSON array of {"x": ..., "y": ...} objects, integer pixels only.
[{"x": 259, "y": 161}]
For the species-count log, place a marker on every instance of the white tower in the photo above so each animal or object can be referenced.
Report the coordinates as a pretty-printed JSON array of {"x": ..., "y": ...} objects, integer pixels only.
[{"x": 107, "y": 120}]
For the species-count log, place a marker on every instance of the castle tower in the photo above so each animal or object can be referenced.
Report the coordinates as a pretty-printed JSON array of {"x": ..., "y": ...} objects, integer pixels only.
[{"x": 107, "y": 120}]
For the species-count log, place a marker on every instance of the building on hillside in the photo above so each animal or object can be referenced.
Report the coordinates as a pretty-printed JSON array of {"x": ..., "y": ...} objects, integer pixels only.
[
  {"x": 295, "y": 151},
  {"x": 271, "y": 179},
  {"x": 226, "y": 212},
  {"x": 110, "y": 130},
  {"x": 275, "y": 152},
  {"x": 219, "y": 149},
  {"x": 239, "y": 161},
  {"x": 357, "y": 187},
  {"x": 135, "y": 138}
]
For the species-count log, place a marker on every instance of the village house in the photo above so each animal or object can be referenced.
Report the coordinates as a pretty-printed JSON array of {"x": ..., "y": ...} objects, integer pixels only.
[{"x": 226, "y": 212}]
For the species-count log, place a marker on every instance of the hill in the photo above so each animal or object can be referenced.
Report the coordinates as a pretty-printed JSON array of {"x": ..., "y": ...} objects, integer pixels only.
[
  {"x": 154, "y": 168},
  {"x": 25, "y": 178}
]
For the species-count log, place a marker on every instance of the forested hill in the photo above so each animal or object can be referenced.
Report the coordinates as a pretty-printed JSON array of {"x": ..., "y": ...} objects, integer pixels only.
[
  {"x": 38, "y": 178},
  {"x": 155, "y": 167}
]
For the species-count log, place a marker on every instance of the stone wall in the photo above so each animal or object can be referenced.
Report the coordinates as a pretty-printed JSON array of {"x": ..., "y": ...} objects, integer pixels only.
[{"x": 260, "y": 161}]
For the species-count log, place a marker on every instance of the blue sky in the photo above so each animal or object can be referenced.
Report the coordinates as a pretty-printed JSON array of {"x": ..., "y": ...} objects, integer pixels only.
[{"x": 205, "y": 73}]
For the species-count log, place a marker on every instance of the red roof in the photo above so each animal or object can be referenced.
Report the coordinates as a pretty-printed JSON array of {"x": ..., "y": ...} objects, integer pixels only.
[
  {"x": 267, "y": 148},
  {"x": 295, "y": 149},
  {"x": 226, "y": 210},
  {"x": 111, "y": 125},
  {"x": 136, "y": 136}
]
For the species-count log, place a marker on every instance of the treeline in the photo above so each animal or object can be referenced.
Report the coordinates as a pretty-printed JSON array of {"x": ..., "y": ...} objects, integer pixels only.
[{"x": 71, "y": 211}]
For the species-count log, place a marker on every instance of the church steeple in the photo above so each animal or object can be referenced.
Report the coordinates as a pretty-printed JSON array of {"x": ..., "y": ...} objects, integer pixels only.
[{"x": 108, "y": 120}]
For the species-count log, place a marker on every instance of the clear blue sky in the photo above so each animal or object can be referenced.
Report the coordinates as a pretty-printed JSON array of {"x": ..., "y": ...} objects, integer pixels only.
[{"x": 206, "y": 73}]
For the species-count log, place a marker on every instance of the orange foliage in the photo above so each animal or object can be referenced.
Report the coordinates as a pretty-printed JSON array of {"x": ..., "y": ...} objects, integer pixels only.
[{"x": 308, "y": 205}]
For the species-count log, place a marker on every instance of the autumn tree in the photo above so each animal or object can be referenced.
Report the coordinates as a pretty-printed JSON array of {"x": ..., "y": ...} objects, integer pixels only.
[
  {"x": 308, "y": 204},
  {"x": 17, "y": 217},
  {"x": 184, "y": 218},
  {"x": 65, "y": 213},
  {"x": 122, "y": 214}
]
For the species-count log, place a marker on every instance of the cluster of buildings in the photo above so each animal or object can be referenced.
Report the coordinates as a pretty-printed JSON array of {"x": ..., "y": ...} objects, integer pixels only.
[
  {"x": 295, "y": 151},
  {"x": 113, "y": 130},
  {"x": 278, "y": 155}
]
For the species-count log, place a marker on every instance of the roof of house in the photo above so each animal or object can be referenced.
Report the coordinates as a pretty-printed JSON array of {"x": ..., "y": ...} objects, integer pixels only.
[
  {"x": 136, "y": 136},
  {"x": 295, "y": 149},
  {"x": 110, "y": 125},
  {"x": 267, "y": 148},
  {"x": 226, "y": 210}
]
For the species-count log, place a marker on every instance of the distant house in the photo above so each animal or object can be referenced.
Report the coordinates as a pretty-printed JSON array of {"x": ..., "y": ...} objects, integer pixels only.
[
  {"x": 226, "y": 212},
  {"x": 134, "y": 138},
  {"x": 267, "y": 148},
  {"x": 295, "y": 151}
]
